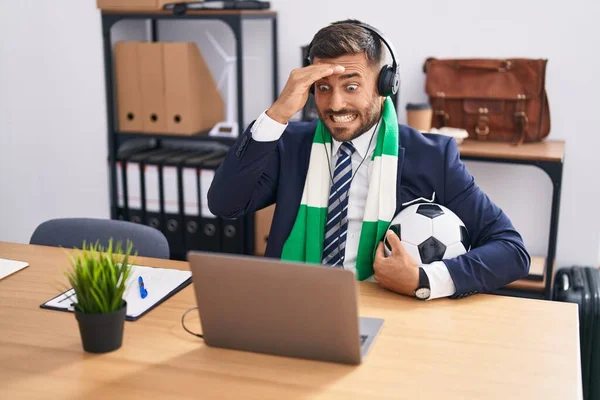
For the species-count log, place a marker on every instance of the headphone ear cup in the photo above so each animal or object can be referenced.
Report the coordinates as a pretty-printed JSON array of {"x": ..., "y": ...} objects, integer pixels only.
[
  {"x": 306, "y": 62},
  {"x": 387, "y": 84},
  {"x": 396, "y": 81}
]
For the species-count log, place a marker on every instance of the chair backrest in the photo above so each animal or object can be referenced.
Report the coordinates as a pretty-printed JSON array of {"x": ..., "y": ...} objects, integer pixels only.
[{"x": 71, "y": 232}]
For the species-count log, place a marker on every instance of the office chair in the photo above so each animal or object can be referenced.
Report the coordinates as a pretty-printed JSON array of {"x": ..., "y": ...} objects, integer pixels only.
[{"x": 71, "y": 232}]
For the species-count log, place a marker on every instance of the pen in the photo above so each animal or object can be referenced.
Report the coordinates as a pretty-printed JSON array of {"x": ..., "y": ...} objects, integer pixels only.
[
  {"x": 67, "y": 297},
  {"x": 143, "y": 291}
]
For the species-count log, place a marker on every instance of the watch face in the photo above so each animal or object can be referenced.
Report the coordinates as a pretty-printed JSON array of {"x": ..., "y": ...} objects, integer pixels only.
[{"x": 423, "y": 293}]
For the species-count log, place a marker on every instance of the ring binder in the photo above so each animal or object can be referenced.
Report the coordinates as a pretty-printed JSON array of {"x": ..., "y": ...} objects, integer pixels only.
[
  {"x": 173, "y": 195},
  {"x": 202, "y": 229}
]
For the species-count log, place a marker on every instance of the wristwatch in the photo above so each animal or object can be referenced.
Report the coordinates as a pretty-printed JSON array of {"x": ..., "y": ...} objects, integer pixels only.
[{"x": 423, "y": 291}]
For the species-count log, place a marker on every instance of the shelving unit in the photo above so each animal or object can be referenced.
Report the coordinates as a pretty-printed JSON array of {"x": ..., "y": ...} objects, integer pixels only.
[{"x": 234, "y": 19}]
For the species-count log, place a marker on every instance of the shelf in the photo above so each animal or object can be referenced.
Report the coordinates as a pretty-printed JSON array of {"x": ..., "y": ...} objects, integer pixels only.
[
  {"x": 231, "y": 15},
  {"x": 209, "y": 12},
  {"x": 201, "y": 137}
]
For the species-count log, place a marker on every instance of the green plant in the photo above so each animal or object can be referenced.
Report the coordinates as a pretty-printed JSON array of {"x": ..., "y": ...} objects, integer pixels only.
[{"x": 99, "y": 277}]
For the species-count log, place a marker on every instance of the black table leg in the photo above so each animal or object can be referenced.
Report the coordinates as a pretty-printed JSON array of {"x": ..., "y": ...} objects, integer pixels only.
[{"x": 554, "y": 171}]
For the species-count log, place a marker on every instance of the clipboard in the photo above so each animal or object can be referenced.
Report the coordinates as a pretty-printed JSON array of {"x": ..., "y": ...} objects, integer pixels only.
[{"x": 160, "y": 284}]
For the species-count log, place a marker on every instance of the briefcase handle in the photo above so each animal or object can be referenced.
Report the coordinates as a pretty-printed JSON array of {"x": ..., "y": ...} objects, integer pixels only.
[
  {"x": 498, "y": 65},
  {"x": 490, "y": 65}
]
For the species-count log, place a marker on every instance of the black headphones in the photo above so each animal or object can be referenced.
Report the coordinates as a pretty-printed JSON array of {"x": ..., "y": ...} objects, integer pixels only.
[{"x": 389, "y": 76}]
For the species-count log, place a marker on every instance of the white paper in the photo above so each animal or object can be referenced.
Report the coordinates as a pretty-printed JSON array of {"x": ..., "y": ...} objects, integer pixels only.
[
  {"x": 158, "y": 282},
  {"x": 170, "y": 187},
  {"x": 120, "y": 197},
  {"x": 152, "y": 192},
  {"x": 133, "y": 186},
  {"x": 190, "y": 191},
  {"x": 206, "y": 178},
  {"x": 8, "y": 267}
]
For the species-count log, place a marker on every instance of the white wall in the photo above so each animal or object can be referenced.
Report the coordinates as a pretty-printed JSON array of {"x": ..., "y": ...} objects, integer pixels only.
[
  {"x": 53, "y": 143},
  {"x": 52, "y": 123}
]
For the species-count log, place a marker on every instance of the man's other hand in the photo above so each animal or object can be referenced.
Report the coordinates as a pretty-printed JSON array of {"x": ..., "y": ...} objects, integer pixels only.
[{"x": 399, "y": 272}]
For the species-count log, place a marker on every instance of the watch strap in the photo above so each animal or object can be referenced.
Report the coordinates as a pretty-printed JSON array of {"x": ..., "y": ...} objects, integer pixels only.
[
  {"x": 423, "y": 279},
  {"x": 423, "y": 291}
]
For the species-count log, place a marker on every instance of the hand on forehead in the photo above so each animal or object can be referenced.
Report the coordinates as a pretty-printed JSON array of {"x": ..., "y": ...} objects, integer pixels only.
[{"x": 353, "y": 64}]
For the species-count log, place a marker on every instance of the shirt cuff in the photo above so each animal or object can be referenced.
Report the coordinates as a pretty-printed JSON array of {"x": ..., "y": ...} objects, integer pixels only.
[
  {"x": 266, "y": 129},
  {"x": 440, "y": 281}
]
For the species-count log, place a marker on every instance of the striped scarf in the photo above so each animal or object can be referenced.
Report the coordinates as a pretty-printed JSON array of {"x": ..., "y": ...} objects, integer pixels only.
[{"x": 305, "y": 242}]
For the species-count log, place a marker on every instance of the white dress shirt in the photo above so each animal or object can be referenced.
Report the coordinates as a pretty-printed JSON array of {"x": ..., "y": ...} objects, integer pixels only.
[{"x": 265, "y": 129}]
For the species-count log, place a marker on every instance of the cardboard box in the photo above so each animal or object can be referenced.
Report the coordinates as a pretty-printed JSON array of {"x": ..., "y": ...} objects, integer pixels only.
[
  {"x": 165, "y": 88},
  {"x": 152, "y": 81},
  {"x": 128, "y": 87},
  {"x": 193, "y": 101}
]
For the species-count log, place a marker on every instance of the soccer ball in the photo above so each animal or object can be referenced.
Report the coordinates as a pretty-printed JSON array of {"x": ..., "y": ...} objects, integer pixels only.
[{"x": 430, "y": 232}]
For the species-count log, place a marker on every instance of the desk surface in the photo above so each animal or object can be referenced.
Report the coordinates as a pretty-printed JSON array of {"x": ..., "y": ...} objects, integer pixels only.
[
  {"x": 481, "y": 347},
  {"x": 547, "y": 150}
]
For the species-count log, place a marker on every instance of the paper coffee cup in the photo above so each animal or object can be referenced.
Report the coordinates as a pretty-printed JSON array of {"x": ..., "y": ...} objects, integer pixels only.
[{"x": 418, "y": 116}]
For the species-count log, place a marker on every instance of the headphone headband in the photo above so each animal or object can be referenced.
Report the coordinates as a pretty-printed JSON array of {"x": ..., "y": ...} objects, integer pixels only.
[{"x": 382, "y": 37}]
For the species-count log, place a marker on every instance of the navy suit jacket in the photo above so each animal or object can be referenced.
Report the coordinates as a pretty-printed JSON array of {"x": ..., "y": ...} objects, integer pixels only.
[{"x": 255, "y": 175}]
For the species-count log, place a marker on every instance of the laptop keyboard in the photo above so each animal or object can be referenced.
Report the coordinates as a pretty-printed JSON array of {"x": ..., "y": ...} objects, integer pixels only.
[{"x": 363, "y": 339}]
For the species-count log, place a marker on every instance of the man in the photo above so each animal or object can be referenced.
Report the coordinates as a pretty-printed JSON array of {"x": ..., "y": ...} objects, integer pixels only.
[{"x": 337, "y": 182}]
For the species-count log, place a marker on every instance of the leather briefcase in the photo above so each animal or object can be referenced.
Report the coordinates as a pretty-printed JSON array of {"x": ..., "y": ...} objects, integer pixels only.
[{"x": 492, "y": 99}]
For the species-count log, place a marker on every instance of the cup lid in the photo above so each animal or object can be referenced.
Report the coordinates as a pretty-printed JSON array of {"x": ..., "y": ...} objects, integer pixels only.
[{"x": 418, "y": 106}]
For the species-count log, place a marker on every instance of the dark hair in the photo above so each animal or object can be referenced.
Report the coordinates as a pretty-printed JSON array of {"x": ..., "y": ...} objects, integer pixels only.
[{"x": 345, "y": 37}]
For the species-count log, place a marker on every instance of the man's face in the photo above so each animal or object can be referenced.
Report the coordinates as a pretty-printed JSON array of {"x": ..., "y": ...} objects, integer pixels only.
[{"x": 348, "y": 103}]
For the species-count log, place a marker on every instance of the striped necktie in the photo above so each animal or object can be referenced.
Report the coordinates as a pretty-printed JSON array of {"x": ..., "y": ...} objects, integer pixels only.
[{"x": 336, "y": 228}]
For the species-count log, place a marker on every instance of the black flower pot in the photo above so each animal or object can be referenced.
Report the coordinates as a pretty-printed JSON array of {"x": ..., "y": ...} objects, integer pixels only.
[{"x": 101, "y": 333}]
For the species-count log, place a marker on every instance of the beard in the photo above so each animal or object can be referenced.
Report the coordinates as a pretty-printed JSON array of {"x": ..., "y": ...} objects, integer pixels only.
[{"x": 348, "y": 131}]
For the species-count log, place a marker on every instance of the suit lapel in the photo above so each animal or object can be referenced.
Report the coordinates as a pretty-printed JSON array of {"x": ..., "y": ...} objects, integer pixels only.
[
  {"x": 399, "y": 179},
  {"x": 297, "y": 162},
  {"x": 304, "y": 160}
]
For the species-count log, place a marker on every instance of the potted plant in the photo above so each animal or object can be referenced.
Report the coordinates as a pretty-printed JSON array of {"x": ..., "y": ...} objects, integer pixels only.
[{"x": 99, "y": 277}]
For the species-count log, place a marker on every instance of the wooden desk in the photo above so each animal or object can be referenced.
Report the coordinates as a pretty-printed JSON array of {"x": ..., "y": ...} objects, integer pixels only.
[
  {"x": 549, "y": 156},
  {"x": 482, "y": 347},
  {"x": 549, "y": 150}
]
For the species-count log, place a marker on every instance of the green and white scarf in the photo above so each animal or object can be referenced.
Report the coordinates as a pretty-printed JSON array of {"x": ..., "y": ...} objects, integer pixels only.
[{"x": 305, "y": 243}]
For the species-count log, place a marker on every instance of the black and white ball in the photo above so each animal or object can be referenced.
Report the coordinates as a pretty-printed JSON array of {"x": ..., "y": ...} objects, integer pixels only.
[{"x": 430, "y": 232}]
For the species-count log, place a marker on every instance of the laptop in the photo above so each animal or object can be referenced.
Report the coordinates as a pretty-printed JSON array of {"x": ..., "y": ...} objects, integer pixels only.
[{"x": 276, "y": 307}]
